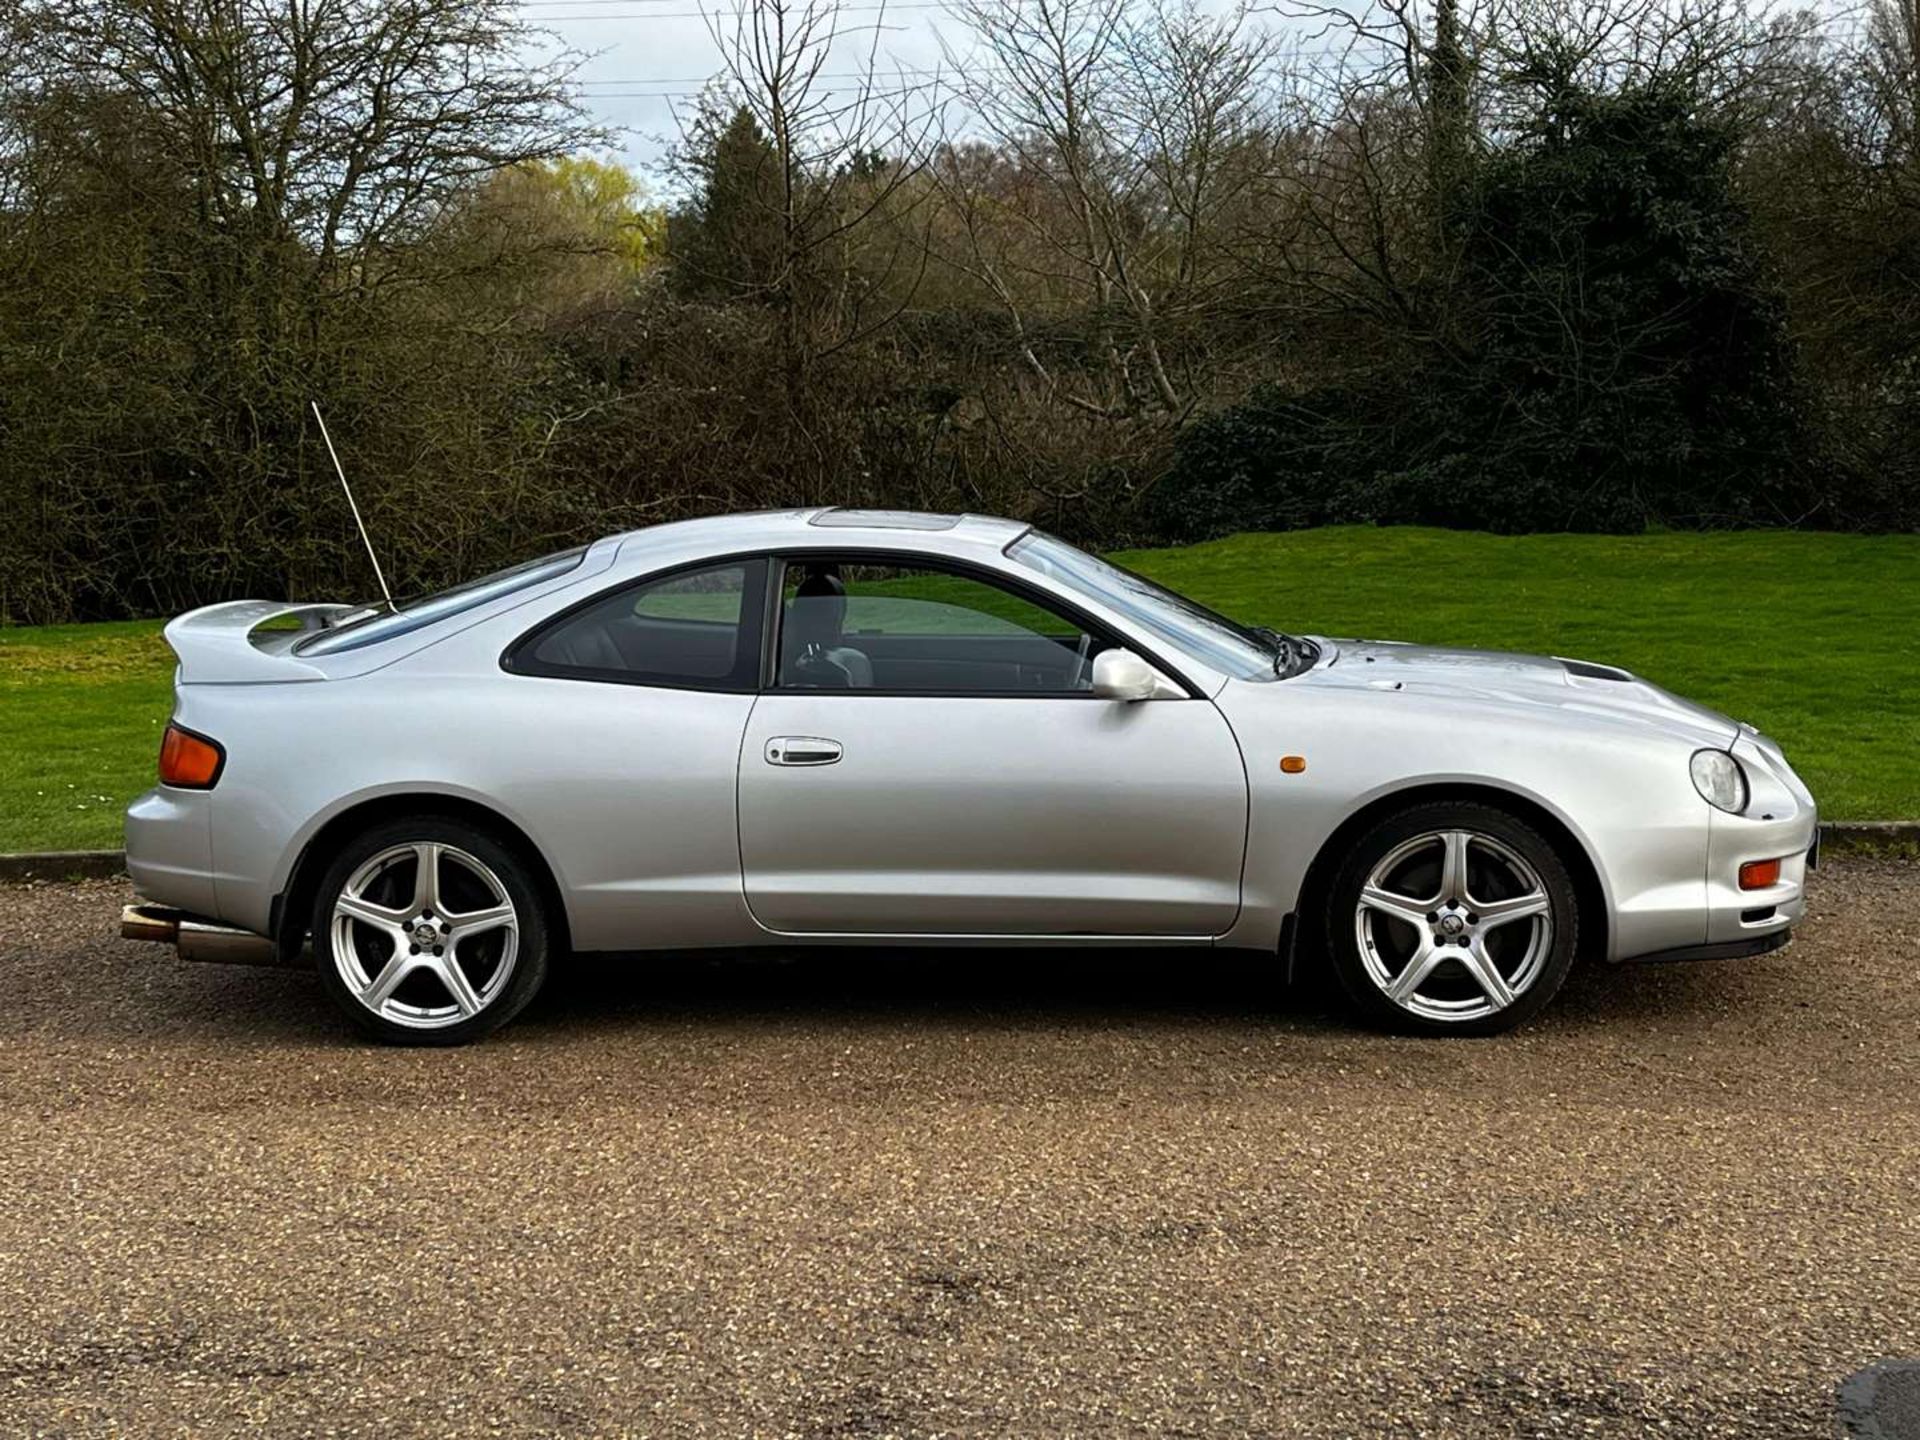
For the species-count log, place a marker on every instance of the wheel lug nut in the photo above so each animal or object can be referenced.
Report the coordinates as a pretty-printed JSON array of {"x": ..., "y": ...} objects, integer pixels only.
[{"x": 413, "y": 949}]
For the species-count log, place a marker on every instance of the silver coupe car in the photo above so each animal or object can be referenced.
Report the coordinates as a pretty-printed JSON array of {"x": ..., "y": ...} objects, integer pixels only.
[{"x": 867, "y": 727}]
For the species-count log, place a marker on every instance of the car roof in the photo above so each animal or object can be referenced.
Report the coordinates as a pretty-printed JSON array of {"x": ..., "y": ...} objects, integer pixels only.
[{"x": 826, "y": 527}]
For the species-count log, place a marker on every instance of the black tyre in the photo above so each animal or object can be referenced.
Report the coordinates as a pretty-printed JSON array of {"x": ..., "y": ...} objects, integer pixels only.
[
  {"x": 1451, "y": 919},
  {"x": 430, "y": 931}
]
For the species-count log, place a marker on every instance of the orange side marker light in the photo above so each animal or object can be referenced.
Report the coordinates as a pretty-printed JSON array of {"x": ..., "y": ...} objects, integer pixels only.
[{"x": 1292, "y": 764}]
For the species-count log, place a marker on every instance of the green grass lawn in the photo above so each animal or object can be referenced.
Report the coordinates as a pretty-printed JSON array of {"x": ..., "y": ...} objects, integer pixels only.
[
  {"x": 81, "y": 709},
  {"x": 1814, "y": 638}
]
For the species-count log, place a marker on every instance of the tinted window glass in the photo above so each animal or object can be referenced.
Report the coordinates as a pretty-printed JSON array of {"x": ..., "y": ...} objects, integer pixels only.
[
  {"x": 696, "y": 628},
  {"x": 1185, "y": 624},
  {"x": 375, "y": 625},
  {"x": 847, "y": 626}
]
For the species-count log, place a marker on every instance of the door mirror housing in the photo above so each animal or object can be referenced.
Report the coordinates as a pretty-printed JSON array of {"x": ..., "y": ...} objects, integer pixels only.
[{"x": 1122, "y": 675}]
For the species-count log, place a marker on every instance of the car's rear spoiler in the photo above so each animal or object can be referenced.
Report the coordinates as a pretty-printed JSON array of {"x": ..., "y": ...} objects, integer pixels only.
[{"x": 216, "y": 647}]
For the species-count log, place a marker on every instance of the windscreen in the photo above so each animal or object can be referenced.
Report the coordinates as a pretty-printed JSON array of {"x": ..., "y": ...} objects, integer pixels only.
[{"x": 1185, "y": 624}]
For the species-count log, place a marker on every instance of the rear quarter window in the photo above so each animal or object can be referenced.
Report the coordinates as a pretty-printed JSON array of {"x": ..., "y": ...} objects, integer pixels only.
[{"x": 695, "y": 629}]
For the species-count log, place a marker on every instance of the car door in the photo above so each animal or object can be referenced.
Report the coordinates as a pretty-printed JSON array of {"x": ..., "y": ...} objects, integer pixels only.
[
  {"x": 619, "y": 741},
  {"x": 930, "y": 760}
]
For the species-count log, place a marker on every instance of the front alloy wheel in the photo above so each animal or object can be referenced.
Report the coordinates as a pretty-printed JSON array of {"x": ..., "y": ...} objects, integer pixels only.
[
  {"x": 1455, "y": 918},
  {"x": 433, "y": 933}
]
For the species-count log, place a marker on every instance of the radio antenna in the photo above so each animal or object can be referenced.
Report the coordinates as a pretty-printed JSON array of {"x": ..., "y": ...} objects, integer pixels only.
[{"x": 354, "y": 506}]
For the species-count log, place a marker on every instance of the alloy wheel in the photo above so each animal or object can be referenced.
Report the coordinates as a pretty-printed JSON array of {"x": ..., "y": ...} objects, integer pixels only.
[
  {"x": 1453, "y": 925},
  {"x": 425, "y": 935}
]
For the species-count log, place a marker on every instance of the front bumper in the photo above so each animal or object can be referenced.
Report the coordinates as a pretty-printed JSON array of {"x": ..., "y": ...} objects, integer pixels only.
[
  {"x": 1780, "y": 823},
  {"x": 1725, "y": 950},
  {"x": 1706, "y": 915}
]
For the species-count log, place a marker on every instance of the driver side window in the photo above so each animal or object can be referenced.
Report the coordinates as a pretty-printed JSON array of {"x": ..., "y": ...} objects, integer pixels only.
[{"x": 857, "y": 625}]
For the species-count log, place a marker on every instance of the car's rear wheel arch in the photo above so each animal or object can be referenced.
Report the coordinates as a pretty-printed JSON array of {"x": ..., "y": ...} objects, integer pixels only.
[
  {"x": 294, "y": 905},
  {"x": 1595, "y": 920}
]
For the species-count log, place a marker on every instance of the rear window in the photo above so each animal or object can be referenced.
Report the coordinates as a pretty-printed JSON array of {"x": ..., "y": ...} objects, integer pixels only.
[{"x": 373, "y": 626}]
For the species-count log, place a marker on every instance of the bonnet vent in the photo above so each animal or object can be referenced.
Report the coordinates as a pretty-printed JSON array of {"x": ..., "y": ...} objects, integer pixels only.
[{"x": 1587, "y": 670}]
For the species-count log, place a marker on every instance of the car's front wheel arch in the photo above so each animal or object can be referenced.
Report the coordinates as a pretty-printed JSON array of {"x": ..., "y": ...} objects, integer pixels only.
[
  {"x": 293, "y": 906},
  {"x": 1309, "y": 942}
]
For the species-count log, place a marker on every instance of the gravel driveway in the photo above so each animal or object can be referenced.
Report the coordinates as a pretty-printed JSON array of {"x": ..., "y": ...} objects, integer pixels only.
[{"x": 917, "y": 1193}]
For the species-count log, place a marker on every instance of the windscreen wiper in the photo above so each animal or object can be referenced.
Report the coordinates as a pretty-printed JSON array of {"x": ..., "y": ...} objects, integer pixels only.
[{"x": 1286, "y": 649}]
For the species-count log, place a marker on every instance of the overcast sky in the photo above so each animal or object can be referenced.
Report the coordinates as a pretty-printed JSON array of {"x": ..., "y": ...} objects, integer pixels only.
[{"x": 651, "y": 57}]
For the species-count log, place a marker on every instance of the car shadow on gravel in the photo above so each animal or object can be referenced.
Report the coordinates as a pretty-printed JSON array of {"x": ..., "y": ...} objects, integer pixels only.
[
  {"x": 1089, "y": 988},
  {"x": 69, "y": 954},
  {"x": 1169, "y": 990},
  {"x": 932, "y": 985},
  {"x": 741, "y": 992}
]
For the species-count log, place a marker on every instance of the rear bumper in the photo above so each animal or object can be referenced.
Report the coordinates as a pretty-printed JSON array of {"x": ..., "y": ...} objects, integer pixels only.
[
  {"x": 170, "y": 848},
  {"x": 194, "y": 937}
]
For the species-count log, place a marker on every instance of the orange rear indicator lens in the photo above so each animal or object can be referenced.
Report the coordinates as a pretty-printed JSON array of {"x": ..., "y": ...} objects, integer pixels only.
[
  {"x": 1759, "y": 874},
  {"x": 189, "y": 761}
]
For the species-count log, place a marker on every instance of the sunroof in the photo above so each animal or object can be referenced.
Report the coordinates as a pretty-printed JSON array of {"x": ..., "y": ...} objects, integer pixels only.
[{"x": 883, "y": 520}]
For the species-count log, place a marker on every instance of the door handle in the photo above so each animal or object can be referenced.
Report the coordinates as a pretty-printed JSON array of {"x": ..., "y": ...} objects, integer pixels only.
[{"x": 802, "y": 750}]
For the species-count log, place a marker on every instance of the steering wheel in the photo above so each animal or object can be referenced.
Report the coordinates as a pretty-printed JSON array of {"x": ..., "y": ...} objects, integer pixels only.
[{"x": 1081, "y": 658}]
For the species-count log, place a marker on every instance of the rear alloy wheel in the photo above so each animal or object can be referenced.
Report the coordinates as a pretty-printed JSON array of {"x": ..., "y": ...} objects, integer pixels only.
[
  {"x": 1452, "y": 918},
  {"x": 429, "y": 932}
]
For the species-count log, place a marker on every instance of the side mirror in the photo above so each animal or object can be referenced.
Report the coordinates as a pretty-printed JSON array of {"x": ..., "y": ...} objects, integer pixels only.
[{"x": 1123, "y": 675}]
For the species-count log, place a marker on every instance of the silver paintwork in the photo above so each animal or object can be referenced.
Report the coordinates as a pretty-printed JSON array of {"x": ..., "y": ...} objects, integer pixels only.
[
  {"x": 1123, "y": 675},
  {"x": 993, "y": 815},
  {"x": 666, "y": 821}
]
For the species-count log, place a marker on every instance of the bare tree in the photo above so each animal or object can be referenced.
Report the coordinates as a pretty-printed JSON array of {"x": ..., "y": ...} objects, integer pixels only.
[
  {"x": 342, "y": 124},
  {"x": 1119, "y": 136},
  {"x": 225, "y": 217},
  {"x": 1890, "y": 68},
  {"x": 842, "y": 154}
]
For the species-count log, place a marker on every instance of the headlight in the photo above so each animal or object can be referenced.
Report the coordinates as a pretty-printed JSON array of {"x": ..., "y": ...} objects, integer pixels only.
[{"x": 1720, "y": 780}]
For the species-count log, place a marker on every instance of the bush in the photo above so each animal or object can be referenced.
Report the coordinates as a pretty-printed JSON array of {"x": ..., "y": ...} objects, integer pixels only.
[{"x": 1610, "y": 353}]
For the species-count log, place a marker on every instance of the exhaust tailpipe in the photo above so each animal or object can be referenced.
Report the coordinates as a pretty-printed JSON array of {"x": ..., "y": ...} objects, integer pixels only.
[{"x": 194, "y": 938}]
